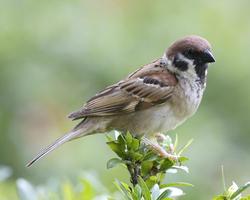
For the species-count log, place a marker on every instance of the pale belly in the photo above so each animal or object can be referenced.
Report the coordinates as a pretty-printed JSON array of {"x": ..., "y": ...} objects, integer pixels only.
[
  {"x": 148, "y": 122},
  {"x": 158, "y": 119}
]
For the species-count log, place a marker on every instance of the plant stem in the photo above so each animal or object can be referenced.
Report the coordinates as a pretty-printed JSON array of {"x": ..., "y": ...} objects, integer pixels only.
[{"x": 135, "y": 171}]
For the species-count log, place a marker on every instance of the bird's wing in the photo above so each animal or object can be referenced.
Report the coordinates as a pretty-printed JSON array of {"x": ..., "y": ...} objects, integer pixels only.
[{"x": 150, "y": 85}]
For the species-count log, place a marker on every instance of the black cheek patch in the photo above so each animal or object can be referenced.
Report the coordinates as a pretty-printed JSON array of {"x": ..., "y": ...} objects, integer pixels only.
[{"x": 180, "y": 64}]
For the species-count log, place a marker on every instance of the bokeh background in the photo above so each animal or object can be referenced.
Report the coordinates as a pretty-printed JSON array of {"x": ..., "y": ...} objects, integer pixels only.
[{"x": 54, "y": 55}]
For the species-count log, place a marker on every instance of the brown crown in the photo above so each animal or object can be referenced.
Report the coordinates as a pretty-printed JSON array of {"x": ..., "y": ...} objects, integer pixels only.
[{"x": 193, "y": 42}]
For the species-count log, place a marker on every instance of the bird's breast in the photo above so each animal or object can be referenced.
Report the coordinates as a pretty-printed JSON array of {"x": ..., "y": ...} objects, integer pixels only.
[
  {"x": 186, "y": 98},
  {"x": 164, "y": 117}
]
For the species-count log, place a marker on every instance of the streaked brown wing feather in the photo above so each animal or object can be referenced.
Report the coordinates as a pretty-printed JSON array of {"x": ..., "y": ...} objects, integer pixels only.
[{"x": 145, "y": 88}]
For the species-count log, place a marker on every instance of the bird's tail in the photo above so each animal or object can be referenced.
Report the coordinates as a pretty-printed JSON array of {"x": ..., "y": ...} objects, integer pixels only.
[{"x": 82, "y": 129}]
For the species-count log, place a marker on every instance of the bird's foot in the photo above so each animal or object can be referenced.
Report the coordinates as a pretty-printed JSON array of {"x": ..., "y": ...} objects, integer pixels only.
[{"x": 159, "y": 149}]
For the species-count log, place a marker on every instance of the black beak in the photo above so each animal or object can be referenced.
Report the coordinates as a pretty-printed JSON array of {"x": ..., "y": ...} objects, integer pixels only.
[{"x": 208, "y": 57}]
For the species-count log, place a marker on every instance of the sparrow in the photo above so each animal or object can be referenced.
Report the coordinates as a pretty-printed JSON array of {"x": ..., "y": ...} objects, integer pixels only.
[{"x": 155, "y": 98}]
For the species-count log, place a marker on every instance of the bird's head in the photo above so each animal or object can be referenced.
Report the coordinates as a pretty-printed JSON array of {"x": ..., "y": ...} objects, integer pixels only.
[{"x": 190, "y": 57}]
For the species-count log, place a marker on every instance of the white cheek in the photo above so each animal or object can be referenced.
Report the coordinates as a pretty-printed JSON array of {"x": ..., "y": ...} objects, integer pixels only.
[
  {"x": 191, "y": 67},
  {"x": 191, "y": 70},
  {"x": 189, "y": 73},
  {"x": 182, "y": 57},
  {"x": 165, "y": 60}
]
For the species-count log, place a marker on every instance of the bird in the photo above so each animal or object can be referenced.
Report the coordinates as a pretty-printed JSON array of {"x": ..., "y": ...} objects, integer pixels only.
[{"x": 155, "y": 98}]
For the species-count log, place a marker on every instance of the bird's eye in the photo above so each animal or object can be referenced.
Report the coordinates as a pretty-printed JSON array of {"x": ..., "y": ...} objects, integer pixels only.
[{"x": 189, "y": 53}]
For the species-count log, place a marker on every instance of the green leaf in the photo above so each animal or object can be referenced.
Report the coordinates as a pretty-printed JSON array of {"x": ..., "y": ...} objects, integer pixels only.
[
  {"x": 68, "y": 191},
  {"x": 135, "y": 156},
  {"x": 128, "y": 138},
  {"x": 150, "y": 156},
  {"x": 231, "y": 190},
  {"x": 176, "y": 142},
  {"x": 184, "y": 168},
  {"x": 245, "y": 198},
  {"x": 109, "y": 138},
  {"x": 175, "y": 192},
  {"x": 113, "y": 162},
  {"x": 151, "y": 181},
  {"x": 121, "y": 141},
  {"x": 166, "y": 164},
  {"x": 88, "y": 190},
  {"x": 223, "y": 178},
  {"x": 116, "y": 148},
  {"x": 161, "y": 176},
  {"x": 123, "y": 187},
  {"x": 135, "y": 144},
  {"x": 177, "y": 184},
  {"x": 221, "y": 197},
  {"x": 137, "y": 193},
  {"x": 146, "y": 166},
  {"x": 155, "y": 191},
  {"x": 185, "y": 147},
  {"x": 164, "y": 194},
  {"x": 240, "y": 190},
  {"x": 182, "y": 159},
  {"x": 145, "y": 190}
]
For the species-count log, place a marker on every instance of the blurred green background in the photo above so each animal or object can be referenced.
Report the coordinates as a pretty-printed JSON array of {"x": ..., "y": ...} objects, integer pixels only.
[{"x": 54, "y": 55}]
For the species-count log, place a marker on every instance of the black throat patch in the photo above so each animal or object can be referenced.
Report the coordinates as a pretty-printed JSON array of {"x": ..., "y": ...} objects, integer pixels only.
[{"x": 201, "y": 72}]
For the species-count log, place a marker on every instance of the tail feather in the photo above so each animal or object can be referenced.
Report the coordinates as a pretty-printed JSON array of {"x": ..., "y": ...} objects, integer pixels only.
[
  {"x": 85, "y": 127},
  {"x": 67, "y": 137}
]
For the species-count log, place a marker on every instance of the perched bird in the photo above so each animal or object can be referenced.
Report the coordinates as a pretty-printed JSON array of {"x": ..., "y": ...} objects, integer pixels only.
[{"x": 155, "y": 98}]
